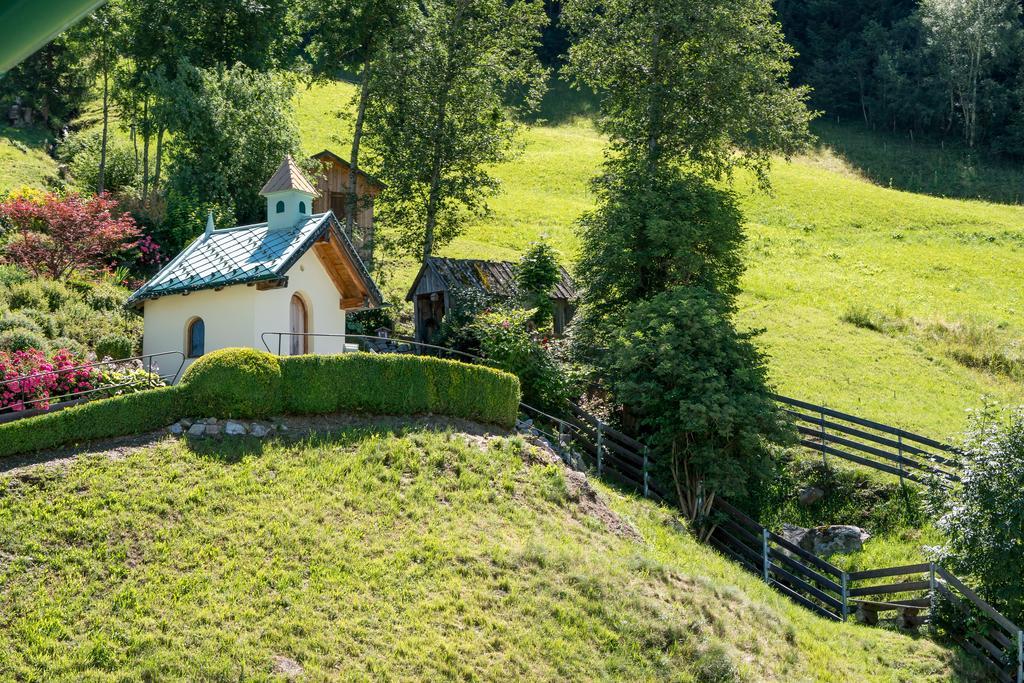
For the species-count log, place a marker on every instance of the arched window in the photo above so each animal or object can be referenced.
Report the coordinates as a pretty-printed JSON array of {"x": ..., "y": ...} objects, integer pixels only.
[
  {"x": 302, "y": 208},
  {"x": 280, "y": 207},
  {"x": 195, "y": 338}
]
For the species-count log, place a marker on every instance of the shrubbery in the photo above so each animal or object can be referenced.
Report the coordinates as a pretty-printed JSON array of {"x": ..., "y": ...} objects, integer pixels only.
[
  {"x": 984, "y": 516},
  {"x": 236, "y": 383},
  {"x": 250, "y": 384}
]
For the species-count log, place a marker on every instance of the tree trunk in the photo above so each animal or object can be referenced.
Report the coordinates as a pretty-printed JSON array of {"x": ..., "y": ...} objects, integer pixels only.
[
  {"x": 101, "y": 175},
  {"x": 159, "y": 157},
  {"x": 352, "y": 199},
  {"x": 145, "y": 151}
]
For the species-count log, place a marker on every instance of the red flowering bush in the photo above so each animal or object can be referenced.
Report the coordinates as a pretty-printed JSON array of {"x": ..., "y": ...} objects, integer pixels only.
[
  {"x": 55, "y": 236},
  {"x": 28, "y": 379}
]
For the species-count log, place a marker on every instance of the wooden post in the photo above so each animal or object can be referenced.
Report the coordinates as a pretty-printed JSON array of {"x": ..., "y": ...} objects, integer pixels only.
[
  {"x": 1020, "y": 656},
  {"x": 561, "y": 442},
  {"x": 646, "y": 486},
  {"x": 767, "y": 563},
  {"x": 824, "y": 462},
  {"x": 600, "y": 448},
  {"x": 846, "y": 595},
  {"x": 931, "y": 595},
  {"x": 899, "y": 442}
]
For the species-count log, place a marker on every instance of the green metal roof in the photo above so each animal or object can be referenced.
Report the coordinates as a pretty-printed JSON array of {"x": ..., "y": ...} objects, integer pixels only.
[{"x": 246, "y": 254}]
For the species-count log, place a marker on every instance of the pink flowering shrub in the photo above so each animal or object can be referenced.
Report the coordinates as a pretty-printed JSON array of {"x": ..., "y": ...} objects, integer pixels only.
[{"x": 29, "y": 380}]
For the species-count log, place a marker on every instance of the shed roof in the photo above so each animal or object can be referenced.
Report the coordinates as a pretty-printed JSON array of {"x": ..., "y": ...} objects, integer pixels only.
[
  {"x": 288, "y": 177},
  {"x": 493, "y": 277},
  {"x": 328, "y": 155},
  {"x": 248, "y": 254}
]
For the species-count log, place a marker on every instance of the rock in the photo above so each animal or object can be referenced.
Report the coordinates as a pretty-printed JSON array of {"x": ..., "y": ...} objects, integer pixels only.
[
  {"x": 213, "y": 430},
  {"x": 187, "y": 422},
  {"x": 198, "y": 429},
  {"x": 258, "y": 430},
  {"x": 810, "y": 495},
  {"x": 177, "y": 429},
  {"x": 287, "y": 667},
  {"x": 234, "y": 429},
  {"x": 209, "y": 421},
  {"x": 824, "y": 541}
]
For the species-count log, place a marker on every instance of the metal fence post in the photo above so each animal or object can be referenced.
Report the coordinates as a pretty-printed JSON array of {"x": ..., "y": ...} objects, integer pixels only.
[
  {"x": 600, "y": 448},
  {"x": 767, "y": 563},
  {"x": 646, "y": 486},
  {"x": 846, "y": 595}
]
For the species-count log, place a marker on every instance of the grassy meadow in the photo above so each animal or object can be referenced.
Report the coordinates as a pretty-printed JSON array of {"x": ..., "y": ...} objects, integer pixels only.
[
  {"x": 377, "y": 553},
  {"x": 901, "y": 307}
]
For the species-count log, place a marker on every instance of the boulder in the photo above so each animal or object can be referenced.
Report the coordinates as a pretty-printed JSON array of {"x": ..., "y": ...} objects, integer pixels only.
[
  {"x": 213, "y": 430},
  {"x": 198, "y": 429},
  {"x": 824, "y": 541},
  {"x": 810, "y": 495},
  {"x": 177, "y": 429},
  {"x": 234, "y": 429},
  {"x": 258, "y": 430}
]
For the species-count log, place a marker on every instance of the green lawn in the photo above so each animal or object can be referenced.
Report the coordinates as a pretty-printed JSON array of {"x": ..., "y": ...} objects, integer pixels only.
[
  {"x": 23, "y": 159},
  {"x": 385, "y": 555}
]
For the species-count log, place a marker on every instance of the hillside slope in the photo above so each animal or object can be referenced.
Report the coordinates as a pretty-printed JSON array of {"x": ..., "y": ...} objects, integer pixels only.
[
  {"x": 385, "y": 554},
  {"x": 824, "y": 243}
]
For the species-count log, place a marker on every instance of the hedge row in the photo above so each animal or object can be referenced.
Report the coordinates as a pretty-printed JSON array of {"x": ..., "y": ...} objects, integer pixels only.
[{"x": 244, "y": 383}]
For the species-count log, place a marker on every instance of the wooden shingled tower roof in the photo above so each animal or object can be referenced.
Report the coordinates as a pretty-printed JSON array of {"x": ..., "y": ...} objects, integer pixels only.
[{"x": 288, "y": 177}]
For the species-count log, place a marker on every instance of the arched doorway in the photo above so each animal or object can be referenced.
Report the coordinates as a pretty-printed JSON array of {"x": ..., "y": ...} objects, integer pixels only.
[{"x": 299, "y": 326}]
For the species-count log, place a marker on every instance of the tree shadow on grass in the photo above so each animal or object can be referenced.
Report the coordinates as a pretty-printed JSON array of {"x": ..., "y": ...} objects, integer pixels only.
[{"x": 924, "y": 167}]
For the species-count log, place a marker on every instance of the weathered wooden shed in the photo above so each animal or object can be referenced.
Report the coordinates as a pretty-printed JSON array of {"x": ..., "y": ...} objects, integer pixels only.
[
  {"x": 332, "y": 185},
  {"x": 440, "y": 280}
]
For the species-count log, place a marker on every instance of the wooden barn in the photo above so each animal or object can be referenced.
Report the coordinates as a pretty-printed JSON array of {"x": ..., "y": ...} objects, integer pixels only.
[
  {"x": 440, "y": 279},
  {"x": 332, "y": 186}
]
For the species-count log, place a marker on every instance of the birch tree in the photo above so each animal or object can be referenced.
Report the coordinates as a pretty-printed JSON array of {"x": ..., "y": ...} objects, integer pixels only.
[
  {"x": 969, "y": 37},
  {"x": 450, "y": 98}
]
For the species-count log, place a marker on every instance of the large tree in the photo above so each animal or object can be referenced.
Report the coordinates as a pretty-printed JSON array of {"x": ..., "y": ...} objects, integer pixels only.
[
  {"x": 448, "y": 99},
  {"x": 969, "y": 37},
  {"x": 232, "y": 126},
  {"x": 354, "y": 35},
  {"x": 694, "y": 82}
]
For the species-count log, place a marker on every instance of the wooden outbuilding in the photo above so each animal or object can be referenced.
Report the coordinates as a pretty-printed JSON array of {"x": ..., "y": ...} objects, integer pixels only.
[
  {"x": 332, "y": 186},
  {"x": 439, "y": 281}
]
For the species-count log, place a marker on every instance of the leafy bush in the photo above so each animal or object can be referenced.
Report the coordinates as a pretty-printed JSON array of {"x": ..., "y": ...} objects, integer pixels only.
[
  {"x": 75, "y": 348},
  {"x": 115, "y": 346},
  {"x": 457, "y": 331},
  {"x": 506, "y": 342},
  {"x": 38, "y": 378},
  {"x": 398, "y": 384},
  {"x": 10, "y": 274},
  {"x": 18, "y": 320},
  {"x": 106, "y": 297},
  {"x": 28, "y": 294},
  {"x": 699, "y": 390},
  {"x": 21, "y": 339},
  {"x": 984, "y": 515},
  {"x": 82, "y": 150},
  {"x": 118, "y": 416},
  {"x": 57, "y": 293},
  {"x": 236, "y": 383},
  {"x": 536, "y": 275}
]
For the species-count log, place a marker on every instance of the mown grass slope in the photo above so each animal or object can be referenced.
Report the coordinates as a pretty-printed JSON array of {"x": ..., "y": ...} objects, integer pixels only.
[
  {"x": 23, "y": 158},
  {"x": 382, "y": 554}
]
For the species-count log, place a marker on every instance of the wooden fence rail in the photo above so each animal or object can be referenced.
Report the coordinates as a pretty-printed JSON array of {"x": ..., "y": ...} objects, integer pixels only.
[{"x": 872, "y": 444}]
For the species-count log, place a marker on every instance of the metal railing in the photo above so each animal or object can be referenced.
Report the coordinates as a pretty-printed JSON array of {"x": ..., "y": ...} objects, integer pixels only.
[{"x": 148, "y": 363}]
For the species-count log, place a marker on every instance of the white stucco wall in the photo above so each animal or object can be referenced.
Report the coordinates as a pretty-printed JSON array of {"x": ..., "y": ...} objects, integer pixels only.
[{"x": 239, "y": 315}]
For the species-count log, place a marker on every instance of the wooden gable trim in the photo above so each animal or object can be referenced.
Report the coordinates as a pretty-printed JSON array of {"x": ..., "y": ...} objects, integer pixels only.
[{"x": 343, "y": 273}]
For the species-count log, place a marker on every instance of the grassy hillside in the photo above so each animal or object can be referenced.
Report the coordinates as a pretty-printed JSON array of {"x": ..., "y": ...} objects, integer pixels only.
[
  {"x": 388, "y": 555},
  {"x": 23, "y": 159},
  {"x": 939, "y": 275}
]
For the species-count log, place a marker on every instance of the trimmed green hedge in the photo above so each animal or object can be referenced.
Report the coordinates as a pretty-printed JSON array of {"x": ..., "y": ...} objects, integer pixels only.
[
  {"x": 235, "y": 383},
  {"x": 396, "y": 384},
  {"x": 244, "y": 383},
  {"x": 118, "y": 416}
]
